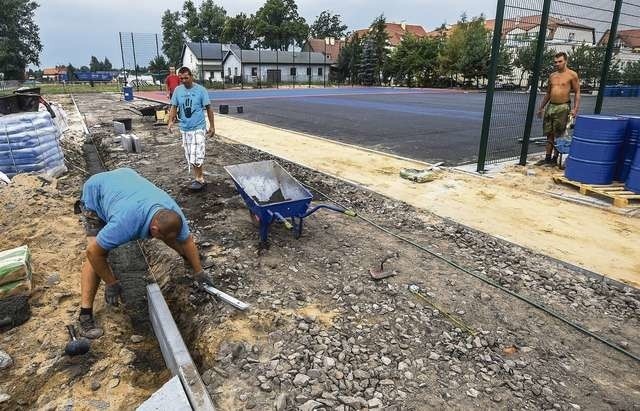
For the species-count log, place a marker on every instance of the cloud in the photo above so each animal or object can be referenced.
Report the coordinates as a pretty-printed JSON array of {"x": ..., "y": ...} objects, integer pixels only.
[{"x": 74, "y": 30}]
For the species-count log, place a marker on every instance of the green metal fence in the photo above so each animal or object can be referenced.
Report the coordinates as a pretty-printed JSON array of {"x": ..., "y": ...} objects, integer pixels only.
[{"x": 602, "y": 40}]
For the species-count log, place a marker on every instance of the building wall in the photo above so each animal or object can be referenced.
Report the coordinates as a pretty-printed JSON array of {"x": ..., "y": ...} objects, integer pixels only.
[
  {"x": 627, "y": 55},
  {"x": 285, "y": 72},
  {"x": 232, "y": 66},
  {"x": 190, "y": 60},
  {"x": 573, "y": 35}
]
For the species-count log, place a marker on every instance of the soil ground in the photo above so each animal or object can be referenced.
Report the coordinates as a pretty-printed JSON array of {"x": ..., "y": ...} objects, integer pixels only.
[
  {"x": 322, "y": 333},
  {"x": 117, "y": 373}
]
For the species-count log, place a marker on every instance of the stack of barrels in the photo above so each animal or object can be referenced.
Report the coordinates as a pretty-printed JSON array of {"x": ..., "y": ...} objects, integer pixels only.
[{"x": 604, "y": 149}]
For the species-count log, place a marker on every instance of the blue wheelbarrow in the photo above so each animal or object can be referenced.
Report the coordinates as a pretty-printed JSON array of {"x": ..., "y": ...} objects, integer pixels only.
[{"x": 273, "y": 195}]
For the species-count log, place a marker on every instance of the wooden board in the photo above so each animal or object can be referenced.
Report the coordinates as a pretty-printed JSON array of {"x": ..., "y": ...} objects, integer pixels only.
[{"x": 615, "y": 192}]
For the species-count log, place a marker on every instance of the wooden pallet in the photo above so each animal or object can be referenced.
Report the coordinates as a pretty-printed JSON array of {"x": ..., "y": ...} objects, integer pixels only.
[{"x": 614, "y": 192}]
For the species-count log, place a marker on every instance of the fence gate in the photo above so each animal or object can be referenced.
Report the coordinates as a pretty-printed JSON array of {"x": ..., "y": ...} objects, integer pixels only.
[{"x": 602, "y": 40}]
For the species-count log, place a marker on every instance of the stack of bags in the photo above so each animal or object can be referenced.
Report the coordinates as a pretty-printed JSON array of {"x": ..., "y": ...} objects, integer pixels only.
[
  {"x": 15, "y": 272},
  {"x": 29, "y": 143},
  {"x": 15, "y": 287}
]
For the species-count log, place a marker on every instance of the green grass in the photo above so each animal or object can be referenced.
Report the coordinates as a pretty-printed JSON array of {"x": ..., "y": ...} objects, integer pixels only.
[
  {"x": 86, "y": 88},
  {"x": 59, "y": 88}
]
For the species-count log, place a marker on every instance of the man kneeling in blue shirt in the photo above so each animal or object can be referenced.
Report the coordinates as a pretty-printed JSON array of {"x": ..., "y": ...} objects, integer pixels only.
[{"x": 117, "y": 207}]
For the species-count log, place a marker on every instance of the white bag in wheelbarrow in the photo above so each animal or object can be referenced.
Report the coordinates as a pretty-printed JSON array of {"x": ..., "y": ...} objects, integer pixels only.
[{"x": 29, "y": 142}]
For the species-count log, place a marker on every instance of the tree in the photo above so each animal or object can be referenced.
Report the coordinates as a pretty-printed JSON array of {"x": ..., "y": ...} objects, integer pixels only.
[
  {"x": 348, "y": 63},
  {"x": 212, "y": 19},
  {"x": 369, "y": 73},
  {"x": 172, "y": 36},
  {"x": 379, "y": 39},
  {"x": 240, "y": 30},
  {"x": 414, "y": 62},
  {"x": 158, "y": 64},
  {"x": 71, "y": 72},
  {"x": 191, "y": 24},
  {"x": 278, "y": 25},
  {"x": 19, "y": 37},
  {"x": 476, "y": 53},
  {"x": 631, "y": 73},
  {"x": 107, "y": 66},
  {"x": 327, "y": 25},
  {"x": 95, "y": 64},
  {"x": 587, "y": 61},
  {"x": 451, "y": 52},
  {"x": 505, "y": 61},
  {"x": 525, "y": 59}
]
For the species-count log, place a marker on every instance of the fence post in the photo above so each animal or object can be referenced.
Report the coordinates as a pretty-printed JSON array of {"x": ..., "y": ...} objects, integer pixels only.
[
  {"x": 607, "y": 57},
  {"x": 201, "y": 65},
  {"x": 533, "y": 95},
  {"x": 241, "y": 71},
  {"x": 310, "y": 70},
  {"x": 493, "y": 70},
  {"x": 158, "y": 58},
  {"x": 259, "y": 68},
  {"x": 135, "y": 63},
  {"x": 222, "y": 64},
  {"x": 122, "y": 54}
]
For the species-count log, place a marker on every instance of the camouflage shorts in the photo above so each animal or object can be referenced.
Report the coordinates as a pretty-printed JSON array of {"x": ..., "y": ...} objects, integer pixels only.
[
  {"x": 92, "y": 223},
  {"x": 556, "y": 117}
]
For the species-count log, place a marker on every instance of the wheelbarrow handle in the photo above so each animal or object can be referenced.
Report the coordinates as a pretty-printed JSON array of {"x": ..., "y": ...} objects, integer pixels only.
[{"x": 350, "y": 213}]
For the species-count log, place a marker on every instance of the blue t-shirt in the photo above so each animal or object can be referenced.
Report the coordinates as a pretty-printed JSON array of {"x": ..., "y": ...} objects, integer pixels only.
[
  {"x": 126, "y": 202},
  {"x": 191, "y": 103}
]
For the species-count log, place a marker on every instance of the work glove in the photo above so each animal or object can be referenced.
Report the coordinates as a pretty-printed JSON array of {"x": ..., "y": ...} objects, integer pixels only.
[
  {"x": 113, "y": 293},
  {"x": 203, "y": 277}
]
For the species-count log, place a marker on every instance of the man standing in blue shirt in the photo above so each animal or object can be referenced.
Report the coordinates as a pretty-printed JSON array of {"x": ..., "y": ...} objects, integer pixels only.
[
  {"x": 191, "y": 100},
  {"x": 117, "y": 207}
]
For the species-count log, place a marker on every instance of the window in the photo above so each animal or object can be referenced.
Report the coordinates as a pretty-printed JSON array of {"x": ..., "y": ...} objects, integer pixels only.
[
  {"x": 572, "y": 36},
  {"x": 254, "y": 71},
  {"x": 308, "y": 71},
  {"x": 235, "y": 71},
  {"x": 229, "y": 71},
  {"x": 293, "y": 71},
  {"x": 319, "y": 71}
]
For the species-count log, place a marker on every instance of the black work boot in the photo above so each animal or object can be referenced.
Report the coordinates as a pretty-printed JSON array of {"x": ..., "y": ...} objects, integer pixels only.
[
  {"x": 544, "y": 162},
  {"x": 88, "y": 327}
]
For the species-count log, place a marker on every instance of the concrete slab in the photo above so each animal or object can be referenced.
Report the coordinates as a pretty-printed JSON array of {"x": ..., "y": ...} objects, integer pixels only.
[
  {"x": 175, "y": 352},
  {"x": 170, "y": 397}
]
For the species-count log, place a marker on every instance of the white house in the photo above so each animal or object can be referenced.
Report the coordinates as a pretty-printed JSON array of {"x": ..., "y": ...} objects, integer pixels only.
[
  {"x": 205, "y": 59},
  {"x": 271, "y": 66},
  {"x": 626, "y": 48},
  {"x": 563, "y": 35}
]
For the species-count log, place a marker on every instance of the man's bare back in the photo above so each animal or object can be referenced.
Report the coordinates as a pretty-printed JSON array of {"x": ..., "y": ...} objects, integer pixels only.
[{"x": 561, "y": 85}]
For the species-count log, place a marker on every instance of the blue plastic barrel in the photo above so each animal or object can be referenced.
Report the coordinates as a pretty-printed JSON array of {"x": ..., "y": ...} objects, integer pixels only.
[
  {"x": 626, "y": 91},
  {"x": 633, "y": 179},
  {"x": 629, "y": 148},
  {"x": 595, "y": 149},
  {"x": 609, "y": 91},
  {"x": 128, "y": 93}
]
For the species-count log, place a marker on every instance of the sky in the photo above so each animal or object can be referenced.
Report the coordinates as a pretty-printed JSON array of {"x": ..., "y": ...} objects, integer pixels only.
[{"x": 72, "y": 31}]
